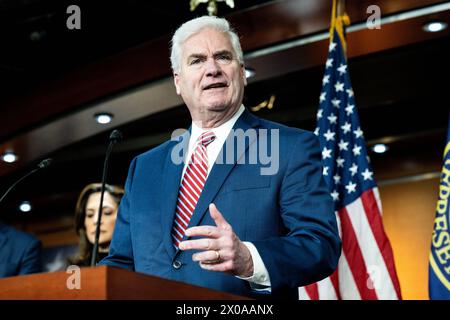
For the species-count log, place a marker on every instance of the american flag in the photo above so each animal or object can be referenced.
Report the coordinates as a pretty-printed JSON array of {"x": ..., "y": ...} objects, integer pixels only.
[{"x": 366, "y": 268}]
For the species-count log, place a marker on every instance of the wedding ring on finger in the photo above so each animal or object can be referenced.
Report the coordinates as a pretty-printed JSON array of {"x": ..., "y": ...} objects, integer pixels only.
[
  {"x": 212, "y": 261},
  {"x": 217, "y": 255}
]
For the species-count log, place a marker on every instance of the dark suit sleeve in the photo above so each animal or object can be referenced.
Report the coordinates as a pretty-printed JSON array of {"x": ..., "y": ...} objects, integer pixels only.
[
  {"x": 121, "y": 251},
  {"x": 310, "y": 247},
  {"x": 32, "y": 258}
]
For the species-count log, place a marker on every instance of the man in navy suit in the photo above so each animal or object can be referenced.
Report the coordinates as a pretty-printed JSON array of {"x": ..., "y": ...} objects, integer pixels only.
[
  {"x": 213, "y": 207},
  {"x": 20, "y": 253}
]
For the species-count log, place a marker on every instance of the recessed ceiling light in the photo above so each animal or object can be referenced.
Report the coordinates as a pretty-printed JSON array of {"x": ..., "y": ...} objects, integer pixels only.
[
  {"x": 25, "y": 206},
  {"x": 9, "y": 157},
  {"x": 37, "y": 35},
  {"x": 249, "y": 72},
  {"x": 103, "y": 117},
  {"x": 434, "y": 26},
  {"x": 380, "y": 148}
]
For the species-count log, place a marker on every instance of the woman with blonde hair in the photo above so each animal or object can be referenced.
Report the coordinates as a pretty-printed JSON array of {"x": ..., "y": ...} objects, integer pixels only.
[{"x": 86, "y": 217}]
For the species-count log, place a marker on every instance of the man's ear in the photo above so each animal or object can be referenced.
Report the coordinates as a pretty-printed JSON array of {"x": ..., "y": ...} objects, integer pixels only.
[
  {"x": 243, "y": 74},
  {"x": 176, "y": 81}
]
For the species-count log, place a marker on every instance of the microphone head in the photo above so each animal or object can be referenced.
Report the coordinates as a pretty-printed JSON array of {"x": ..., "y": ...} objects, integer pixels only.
[
  {"x": 45, "y": 163},
  {"x": 115, "y": 136}
]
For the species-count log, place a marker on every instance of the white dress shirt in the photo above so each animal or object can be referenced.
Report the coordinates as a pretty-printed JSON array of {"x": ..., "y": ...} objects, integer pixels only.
[{"x": 260, "y": 279}]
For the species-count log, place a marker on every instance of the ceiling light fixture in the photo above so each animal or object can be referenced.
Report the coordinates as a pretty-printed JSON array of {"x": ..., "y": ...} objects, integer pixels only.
[
  {"x": 380, "y": 148},
  {"x": 9, "y": 157},
  {"x": 37, "y": 35},
  {"x": 434, "y": 26},
  {"x": 25, "y": 206},
  {"x": 103, "y": 117}
]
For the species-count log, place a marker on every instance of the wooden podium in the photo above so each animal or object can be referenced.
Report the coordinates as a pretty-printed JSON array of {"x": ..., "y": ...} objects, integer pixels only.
[{"x": 104, "y": 283}]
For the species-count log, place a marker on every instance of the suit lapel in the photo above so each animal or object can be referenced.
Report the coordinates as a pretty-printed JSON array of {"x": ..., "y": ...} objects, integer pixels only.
[
  {"x": 220, "y": 172},
  {"x": 171, "y": 183}
]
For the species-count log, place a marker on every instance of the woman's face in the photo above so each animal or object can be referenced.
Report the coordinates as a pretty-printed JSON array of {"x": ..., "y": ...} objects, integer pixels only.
[{"x": 109, "y": 215}]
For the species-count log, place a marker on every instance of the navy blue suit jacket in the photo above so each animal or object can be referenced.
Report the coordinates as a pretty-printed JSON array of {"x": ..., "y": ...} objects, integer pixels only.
[
  {"x": 20, "y": 252},
  {"x": 288, "y": 216}
]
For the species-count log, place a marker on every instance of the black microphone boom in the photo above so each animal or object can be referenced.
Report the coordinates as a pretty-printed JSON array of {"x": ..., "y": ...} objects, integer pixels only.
[
  {"x": 114, "y": 137},
  {"x": 43, "y": 164}
]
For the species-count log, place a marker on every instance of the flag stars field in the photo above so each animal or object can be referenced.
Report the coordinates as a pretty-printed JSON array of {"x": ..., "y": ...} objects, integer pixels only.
[
  {"x": 351, "y": 187},
  {"x": 342, "y": 69},
  {"x": 326, "y": 153},
  {"x": 349, "y": 109},
  {"x": 350, "y": 92},
  {"x": 329, "y": 63},
  {"x": 337, "y": 179},
  {"x": 358, "y": 133},
  {"x": 336, "y": 103},
  {"x": 339, "y": 86},
  {"x": 367, "y": 174},
  {"x": 329, "y": 135},
  {"x": 332, "y": 46},
  {"x": 347, "y": 127},
  {"x": 343, "y": 145},
  {"x": 319, "y": 113},
  {"x": 335, "y": 195},
  {"x": 332, "y": 118},
  {"x": 353, "y": 169},
  {"x": 356, "y": 150}
]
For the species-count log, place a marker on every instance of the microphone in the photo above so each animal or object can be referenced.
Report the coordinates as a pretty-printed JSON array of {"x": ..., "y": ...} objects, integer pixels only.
[
  {"x": 114, "y": 137},
  {"x": 42, "y": 165}
]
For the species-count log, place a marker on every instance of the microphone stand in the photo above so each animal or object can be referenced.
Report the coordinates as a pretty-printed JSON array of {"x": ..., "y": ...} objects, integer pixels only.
[
  {"x": 42, "y": 165},
  {"x": 115, "y": 137}
]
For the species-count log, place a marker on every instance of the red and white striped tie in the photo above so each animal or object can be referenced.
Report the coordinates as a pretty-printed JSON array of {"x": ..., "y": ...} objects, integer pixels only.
[{"x": 191, "y": 186}]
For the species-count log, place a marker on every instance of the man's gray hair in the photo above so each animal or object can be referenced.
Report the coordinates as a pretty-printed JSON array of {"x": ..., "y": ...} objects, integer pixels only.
[{"x": 196, "y": 25}]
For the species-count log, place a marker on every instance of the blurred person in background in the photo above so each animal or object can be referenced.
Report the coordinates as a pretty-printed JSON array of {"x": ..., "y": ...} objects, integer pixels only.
[
  {"x": 20, "y": 252},
  {"x": 86, "y": 217}
]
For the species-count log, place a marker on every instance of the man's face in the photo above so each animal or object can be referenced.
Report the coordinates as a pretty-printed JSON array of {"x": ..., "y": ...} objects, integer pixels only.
[{"x": 211, "y": 81}]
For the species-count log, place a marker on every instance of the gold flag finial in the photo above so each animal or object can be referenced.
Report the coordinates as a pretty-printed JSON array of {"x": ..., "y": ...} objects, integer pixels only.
[
  {"x": 212, "y": 5},
  {"x": 265, "y": 104},
  {"x": 339, "y": 20}
]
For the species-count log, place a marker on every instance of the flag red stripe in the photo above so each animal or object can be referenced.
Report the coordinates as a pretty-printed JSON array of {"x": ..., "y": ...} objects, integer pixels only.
[
  {"x": 313, "y": 291},
  {"x": 376, "y": 224},
  {"x": 335, "y": 281},
  {"x": 354, "y": 257}
]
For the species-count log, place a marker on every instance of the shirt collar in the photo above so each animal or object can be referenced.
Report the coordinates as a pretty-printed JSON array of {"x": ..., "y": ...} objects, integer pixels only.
[{"x": 221, "y": 131}]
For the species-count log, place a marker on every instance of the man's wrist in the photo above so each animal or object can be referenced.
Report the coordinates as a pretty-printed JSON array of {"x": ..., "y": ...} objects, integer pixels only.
[
  {"x": 260, "y": 275},
  {"x": 248, "y": 262}
]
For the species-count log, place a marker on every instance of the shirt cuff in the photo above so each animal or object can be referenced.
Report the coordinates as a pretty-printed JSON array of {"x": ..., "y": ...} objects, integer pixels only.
[{"x": 260, "y": 279}]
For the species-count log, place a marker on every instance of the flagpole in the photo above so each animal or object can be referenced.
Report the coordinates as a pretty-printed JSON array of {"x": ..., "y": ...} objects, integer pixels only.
[{"x": 333, "y": 20}]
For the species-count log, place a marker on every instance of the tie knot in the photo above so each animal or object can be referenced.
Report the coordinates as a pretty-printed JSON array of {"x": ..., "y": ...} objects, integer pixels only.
[{"x": 206, "y": 138}]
